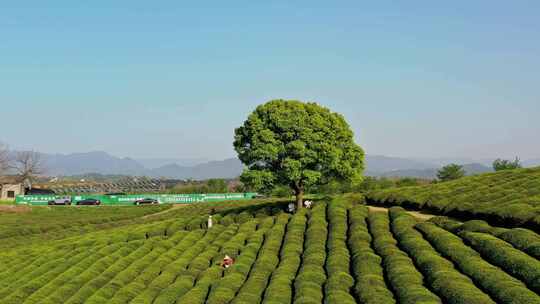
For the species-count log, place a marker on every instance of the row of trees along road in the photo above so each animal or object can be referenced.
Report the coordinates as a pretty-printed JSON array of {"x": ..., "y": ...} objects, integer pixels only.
[
  {"x": 454, "y": 171},
  {"x": 298, "y": 145},
  {"x": 26, "y": 164}
]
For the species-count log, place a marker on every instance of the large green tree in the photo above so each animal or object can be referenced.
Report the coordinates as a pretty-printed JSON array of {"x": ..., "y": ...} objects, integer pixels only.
[
  {"x": 505, "y": 164},
  {"x": 450, "y": 172},
  {"x": 296, "y": 144}
]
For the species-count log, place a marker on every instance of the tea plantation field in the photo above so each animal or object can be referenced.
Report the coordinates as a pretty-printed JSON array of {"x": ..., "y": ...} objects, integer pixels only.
[
  {"x": 336, "y": 252},
  {"x": 510, "y": 198},
  {"x": 20, "y": 226}
]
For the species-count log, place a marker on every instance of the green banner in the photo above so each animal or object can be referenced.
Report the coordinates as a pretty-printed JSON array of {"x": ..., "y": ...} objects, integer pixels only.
[{"x": 130, "y": 199}]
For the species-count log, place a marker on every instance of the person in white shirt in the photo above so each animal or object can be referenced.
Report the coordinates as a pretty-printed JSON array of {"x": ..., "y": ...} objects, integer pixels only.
[
  {"x": 210, "y": 222},
  {"x": 291, "y": 208}
]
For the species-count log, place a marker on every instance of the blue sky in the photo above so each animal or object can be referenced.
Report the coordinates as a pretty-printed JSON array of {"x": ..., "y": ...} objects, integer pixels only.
[{"x": 172, "y": 79}]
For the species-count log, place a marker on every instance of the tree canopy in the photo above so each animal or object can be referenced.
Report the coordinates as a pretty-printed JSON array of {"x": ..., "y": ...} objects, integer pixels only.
[
  {"x": 450, "y": 172},
  {"x": 296, "y": 144},
  {"x": 505, "y": 164}
]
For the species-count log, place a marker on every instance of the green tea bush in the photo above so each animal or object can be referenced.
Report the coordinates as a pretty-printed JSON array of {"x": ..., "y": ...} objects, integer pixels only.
[
  {"x": 440, "y": 274},
  {"x": 370, "y": 286},
  {"x": 122, "y": 282},
  {"x": 337, "y": 265},
  {"x": 17, "y": 295},
  {"x": 47, "y": 220},
  {"x": 67, "y": 276},
  {"x": 404, "y": 278},
  {"x": 221, "y": 288},
  {"x": 279, "y": 289},
  {"x": 334, "y": 253},
  {"x": 502, "y": 287},
  {"x": 16, "y": 275},
  {"x": 170, "y": 293},
  {"x": 184, "y": 261},
  {"x": 506, "y": 197},
  {"x": 523, "y": 239},
  {"x": 266, "y": 263},
  {"x": 504, "y": 255},
  {"x": 308, "y": 285},
  {"x": 96, "y": 283}
]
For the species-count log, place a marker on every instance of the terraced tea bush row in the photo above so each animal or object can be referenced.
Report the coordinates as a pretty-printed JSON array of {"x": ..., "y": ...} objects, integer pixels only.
[
  {"x": 250, "y": 264},
  {"x": 127, "y": 233},
  {"x": 184, "y": 277},
  {"x": 504, "y": 255},
  {"x": 225, "y": 289},
  {"x": 501, "y": 286},
  {"x": 11, "y": 274},
  {"x": 448, "y": 283},
  {"x": 32, "y": 262},
  {"x": 339, "y": 283},
  {"x": 123, "y": 278},
  {"x": 403, "y": 277},
  {"x": 37, "y": 268},
  {"x": 180, "y": 265},
  {"x": 40, "y": 295},
  {"x": 522, "y": 239},
  {"x": 334, "y": 253},
  {"x": 209, "y": 277},
  {"x": 253, "y": 288},
  {"x": 280, "y": 287},
  {"x": 49, "y": 219},
  {"x": 308, "y": 285},
  {"x": 164, "y": 261},
  {"x": 370, "y": 286},
  {"x": 44, "y": 224},
  {"x": 64, "y": 291},
  {"x": 19, "y": 294},
  {"x": 95, "y": 284},
  {"x": 124, "y": 230},
  {"x": 508, "y": 198},
  {"x": 174, "y": 264}
]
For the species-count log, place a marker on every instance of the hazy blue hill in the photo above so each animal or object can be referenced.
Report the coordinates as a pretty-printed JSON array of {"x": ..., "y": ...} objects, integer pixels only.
[
  {"x": 153, "y": 163},
  {"x": 229, "y": 168},
  {"x": 104, "y": 163},
  {"x": 98, "y": 161},
  {"x": 380, "y": 163}
]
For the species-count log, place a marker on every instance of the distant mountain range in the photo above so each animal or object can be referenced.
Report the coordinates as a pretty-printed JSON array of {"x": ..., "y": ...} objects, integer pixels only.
[
  {"x": 104, "y": 163},
  {"x": 198, "y": 168}
]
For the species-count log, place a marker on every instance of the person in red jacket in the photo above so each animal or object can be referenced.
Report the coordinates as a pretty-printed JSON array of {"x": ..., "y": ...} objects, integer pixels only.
[{"x": 227, "y": 262}]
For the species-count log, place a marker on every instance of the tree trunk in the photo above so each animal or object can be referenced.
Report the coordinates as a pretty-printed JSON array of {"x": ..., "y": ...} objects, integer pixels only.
[{"x": 299, "y": 198}]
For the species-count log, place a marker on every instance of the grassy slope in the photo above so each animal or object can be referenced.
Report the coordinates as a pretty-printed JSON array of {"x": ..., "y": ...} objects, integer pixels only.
[{"x": 509, "y": 198}]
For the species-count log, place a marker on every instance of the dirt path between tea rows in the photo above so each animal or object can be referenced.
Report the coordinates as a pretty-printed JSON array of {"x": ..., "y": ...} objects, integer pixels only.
[{"x": 418, "y": 215}]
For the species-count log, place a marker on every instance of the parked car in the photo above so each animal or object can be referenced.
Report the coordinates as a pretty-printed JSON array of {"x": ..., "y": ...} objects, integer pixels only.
[
  {"x": 89, "y": 201},
  {"x": 146, "y": 201},
  {"x": 66, "y": 200}
]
